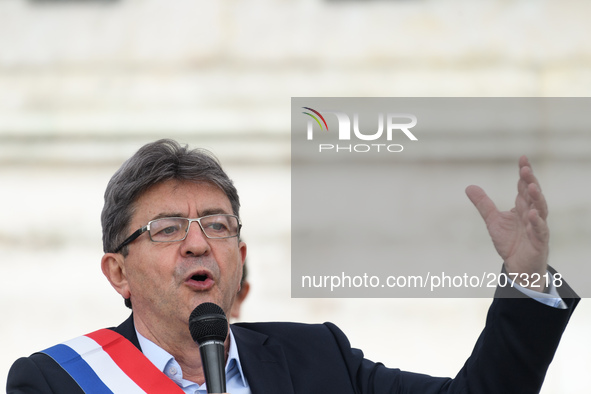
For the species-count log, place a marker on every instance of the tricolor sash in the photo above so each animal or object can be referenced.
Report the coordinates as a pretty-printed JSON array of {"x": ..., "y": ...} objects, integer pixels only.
[{"x": 105, "y": 362}]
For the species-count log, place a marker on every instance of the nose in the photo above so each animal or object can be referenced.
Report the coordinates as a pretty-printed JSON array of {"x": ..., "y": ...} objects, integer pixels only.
[{"x": 196, "y": 243}]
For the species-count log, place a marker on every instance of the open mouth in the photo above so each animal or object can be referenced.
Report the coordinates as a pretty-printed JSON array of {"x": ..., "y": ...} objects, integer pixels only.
[
  {"x": 200, "y": 277},
  {"x": 200, "y": 280}
]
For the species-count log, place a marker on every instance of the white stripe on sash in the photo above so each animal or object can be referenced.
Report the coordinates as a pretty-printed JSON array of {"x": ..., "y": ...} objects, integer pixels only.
[{"x": 104, "y": 366}]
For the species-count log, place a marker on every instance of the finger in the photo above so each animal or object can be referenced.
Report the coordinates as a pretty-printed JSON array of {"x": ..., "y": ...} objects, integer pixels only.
[
  {"x": 527, "y": 178},
  {"x": 526, "y": 173},
  {"x": 531, "y": 198},
  {"x": 524, "y": 161},
  {"x": 539, "y": 226},
  {"x": 485, "y": 206},
  {"x": 538, "y": 201},
  {"x": 529, "y": 191}
]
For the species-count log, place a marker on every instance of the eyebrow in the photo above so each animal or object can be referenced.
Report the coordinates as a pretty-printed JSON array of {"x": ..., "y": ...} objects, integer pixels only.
[
  {"x": 206, "y": 212},
  {"x": 214, "y": 211},
  {"x": 167, "y": 215}
]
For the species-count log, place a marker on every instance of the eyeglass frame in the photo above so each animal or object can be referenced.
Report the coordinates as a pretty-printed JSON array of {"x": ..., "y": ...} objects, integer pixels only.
[{"x": 145, "y": 228}]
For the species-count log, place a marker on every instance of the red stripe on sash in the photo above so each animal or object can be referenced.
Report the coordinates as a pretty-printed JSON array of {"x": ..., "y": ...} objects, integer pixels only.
[{"x": 133, "y": 362}]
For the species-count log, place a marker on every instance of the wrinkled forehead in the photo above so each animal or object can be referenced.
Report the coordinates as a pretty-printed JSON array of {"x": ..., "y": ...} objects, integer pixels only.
[{"x": 180, "y": 198}]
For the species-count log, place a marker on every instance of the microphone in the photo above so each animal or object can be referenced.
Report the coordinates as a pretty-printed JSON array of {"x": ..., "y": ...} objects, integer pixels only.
[{"x": 209, "y": 328}]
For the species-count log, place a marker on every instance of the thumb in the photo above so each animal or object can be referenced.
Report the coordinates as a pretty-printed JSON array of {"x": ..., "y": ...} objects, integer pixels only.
[{"x": 481, "y": 201}]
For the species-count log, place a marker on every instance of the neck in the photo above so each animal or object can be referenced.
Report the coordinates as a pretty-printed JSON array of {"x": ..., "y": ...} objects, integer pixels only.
[{"x": 180, "y": 345}]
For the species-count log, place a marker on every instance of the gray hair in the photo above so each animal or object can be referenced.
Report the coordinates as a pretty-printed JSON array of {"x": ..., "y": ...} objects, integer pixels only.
[{"x": 152, "y": 164}]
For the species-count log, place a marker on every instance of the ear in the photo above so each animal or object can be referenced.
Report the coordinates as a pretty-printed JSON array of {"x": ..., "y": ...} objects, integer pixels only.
[
  {"x": 242, "y": 254},
  {"x": 242, "y": 249},
  {"x": 235, "y": 311},
  {"x": 114, "y": 269}
]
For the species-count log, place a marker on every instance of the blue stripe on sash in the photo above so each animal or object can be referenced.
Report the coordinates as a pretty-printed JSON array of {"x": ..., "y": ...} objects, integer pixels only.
[{"x": 79, "y": 369}]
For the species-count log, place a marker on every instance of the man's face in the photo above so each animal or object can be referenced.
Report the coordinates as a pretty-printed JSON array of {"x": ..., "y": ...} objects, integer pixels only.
[{"x": 168, "y": 280}]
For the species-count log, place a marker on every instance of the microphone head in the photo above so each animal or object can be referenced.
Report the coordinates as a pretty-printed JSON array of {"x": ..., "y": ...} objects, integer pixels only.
[{"x": 208, "y": 322}]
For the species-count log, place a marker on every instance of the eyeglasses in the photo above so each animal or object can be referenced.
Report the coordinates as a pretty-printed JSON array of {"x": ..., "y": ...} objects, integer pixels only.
[{"x": 176, "y": 229}]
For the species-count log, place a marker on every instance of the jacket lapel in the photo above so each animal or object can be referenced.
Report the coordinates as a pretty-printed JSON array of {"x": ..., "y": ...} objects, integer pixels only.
[
  {"x": 127, "y": 329},
  {"x": 264, "y": 365}
]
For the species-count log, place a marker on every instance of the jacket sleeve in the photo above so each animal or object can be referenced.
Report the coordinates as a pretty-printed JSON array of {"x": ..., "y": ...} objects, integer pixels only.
[
  {"x": 39, "y": 374},
  {"x": 26, "y": 377},
  {"x": 511, "y": 355}
]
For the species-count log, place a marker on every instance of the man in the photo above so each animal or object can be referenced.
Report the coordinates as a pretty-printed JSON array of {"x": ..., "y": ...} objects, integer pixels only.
[{"x": 171, "y": 236}]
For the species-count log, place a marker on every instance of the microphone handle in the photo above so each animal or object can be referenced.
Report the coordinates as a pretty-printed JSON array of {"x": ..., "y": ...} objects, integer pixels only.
[{"x": 213, "y": 360}]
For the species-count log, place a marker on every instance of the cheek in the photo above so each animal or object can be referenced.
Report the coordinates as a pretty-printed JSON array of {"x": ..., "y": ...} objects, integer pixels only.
[
  {"x": 146, "y": 275},
  {"x": 237, "y": 267},
  {"x": 230, "y": 263},
  {"x": 139, "y": 280}
]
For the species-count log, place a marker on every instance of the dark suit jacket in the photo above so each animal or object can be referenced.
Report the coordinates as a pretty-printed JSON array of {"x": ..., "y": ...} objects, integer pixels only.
[{"x": 510, "y": 356}]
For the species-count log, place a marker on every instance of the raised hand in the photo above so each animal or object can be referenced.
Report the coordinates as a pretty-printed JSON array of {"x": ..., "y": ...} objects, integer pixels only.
[{"x": 520, "y": 235}]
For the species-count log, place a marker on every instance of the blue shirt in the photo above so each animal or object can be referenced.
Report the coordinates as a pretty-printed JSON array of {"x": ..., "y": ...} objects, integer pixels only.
[{"x": 235, "y": 380}]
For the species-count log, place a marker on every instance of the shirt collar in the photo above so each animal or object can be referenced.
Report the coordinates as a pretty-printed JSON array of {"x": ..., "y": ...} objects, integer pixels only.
[{"x": 160, "y": 357}]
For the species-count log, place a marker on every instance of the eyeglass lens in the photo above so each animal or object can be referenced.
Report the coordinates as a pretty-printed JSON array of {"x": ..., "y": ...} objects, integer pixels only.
[{"x": 175, "y": 229}]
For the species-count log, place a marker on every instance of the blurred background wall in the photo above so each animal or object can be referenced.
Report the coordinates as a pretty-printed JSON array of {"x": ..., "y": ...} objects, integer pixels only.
[{"x": 84, "y": 83}]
